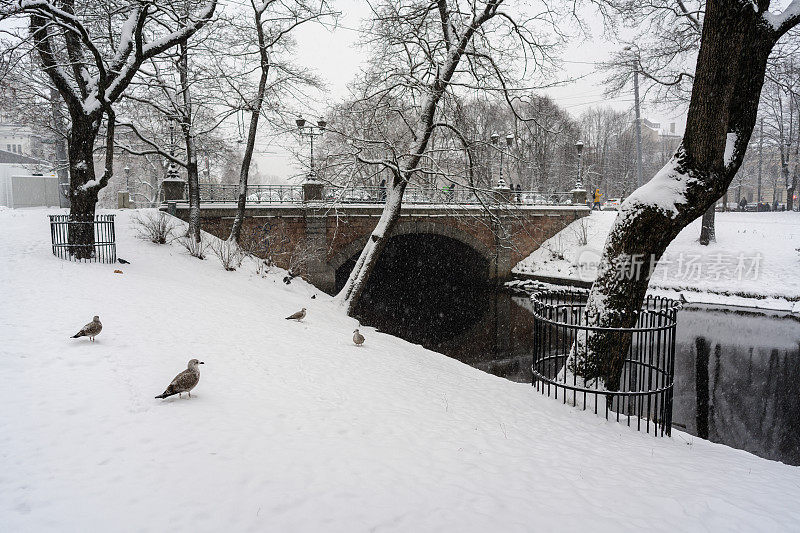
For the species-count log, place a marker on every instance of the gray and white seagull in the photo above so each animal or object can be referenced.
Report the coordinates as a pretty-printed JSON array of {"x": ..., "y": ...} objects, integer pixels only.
[
  {"x": 358, "y": 338},
  {"x": 91, "y": 330},
  {"x": 185, "y": 381},
  {"x": 298, "y": 316}
]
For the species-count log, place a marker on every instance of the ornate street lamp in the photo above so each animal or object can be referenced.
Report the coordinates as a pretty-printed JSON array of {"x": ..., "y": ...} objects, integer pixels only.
[
  {"x": 579, "y": 149},
  {"x": 509, "y": 142},
  {"x": 311, "y": 131}
]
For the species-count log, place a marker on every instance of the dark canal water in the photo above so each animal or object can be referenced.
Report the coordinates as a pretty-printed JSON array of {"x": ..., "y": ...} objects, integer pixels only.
[{"x": 736, "y": 372}]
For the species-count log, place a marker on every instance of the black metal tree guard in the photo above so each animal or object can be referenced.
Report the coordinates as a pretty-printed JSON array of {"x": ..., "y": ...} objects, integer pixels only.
[
  {"x": 102, "y": 250},
  {"x": 645, "y": 393}
]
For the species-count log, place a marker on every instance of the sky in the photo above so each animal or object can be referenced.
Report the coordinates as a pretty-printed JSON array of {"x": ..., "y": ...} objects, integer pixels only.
[{"x": 334, "y": 55}]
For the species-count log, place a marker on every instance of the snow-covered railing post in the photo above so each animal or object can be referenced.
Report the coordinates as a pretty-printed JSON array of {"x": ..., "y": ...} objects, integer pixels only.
[
  {"x": 578, "y": 196},
  {"x": 313, "y": 191},
  {"x": 174, "y": 189}
]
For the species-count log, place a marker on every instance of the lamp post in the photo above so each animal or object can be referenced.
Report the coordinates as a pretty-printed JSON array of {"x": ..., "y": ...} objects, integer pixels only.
[
  {"x": 509, "y": 141},
  {"x": 493, "y": 138},
  {"x": 578, "y": 181},
  {"x": 172, "y": 168},
  {"x": 311, "y": 131},
  {"x": 760, "y": 158}
]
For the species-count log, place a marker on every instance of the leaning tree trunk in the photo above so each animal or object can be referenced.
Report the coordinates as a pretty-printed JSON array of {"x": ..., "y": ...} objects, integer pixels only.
[
  {"x": 356, "y": 282},
  {"x": 244, "y": 173},
  {"x": 730, "y": 73},
  {"x": 375, "y": 245},
  {"x": 707, "y": 232}
]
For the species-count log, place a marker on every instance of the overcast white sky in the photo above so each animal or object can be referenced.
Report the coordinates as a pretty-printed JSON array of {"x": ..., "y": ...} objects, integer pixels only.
[{"x": 333, "y": 54}]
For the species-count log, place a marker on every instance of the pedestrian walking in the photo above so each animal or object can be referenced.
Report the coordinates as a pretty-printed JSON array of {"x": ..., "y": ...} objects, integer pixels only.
[{"x": 596, "y": 200}]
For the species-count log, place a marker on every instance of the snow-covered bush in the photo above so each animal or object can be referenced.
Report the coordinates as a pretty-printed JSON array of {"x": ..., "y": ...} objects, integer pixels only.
[
  {"x": 263, "y": 266},
  {"x": 555, "y": 246},
  {"x": 195, "y": 248},
  {"x": 581, "y": 229},
  {"x": 155, "y": 227},
  {"x": 299, "y": 255},
  {"x": 229, "y": 254}
]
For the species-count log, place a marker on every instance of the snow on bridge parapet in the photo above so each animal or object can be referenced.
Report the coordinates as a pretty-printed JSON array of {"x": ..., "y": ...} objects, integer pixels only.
[{"x": 331, "y": 235}]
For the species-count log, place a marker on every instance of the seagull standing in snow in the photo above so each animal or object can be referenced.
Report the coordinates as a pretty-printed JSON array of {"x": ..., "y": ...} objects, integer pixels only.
[
  {"x": 358, "y": 338},
  {"x": 91, "y": 330},
  {"x": 185, "y": 381},
  {"x": 300, "y": 315}
]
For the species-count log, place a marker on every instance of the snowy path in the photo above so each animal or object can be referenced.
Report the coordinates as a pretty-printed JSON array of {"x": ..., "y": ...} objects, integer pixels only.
[{"x": 295, "y": 429}]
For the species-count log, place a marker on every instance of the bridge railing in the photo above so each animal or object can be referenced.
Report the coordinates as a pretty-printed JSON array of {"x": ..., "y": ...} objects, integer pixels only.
[
  {"x": 272, "y": 194},
  {"x": 293, "y": 194}
]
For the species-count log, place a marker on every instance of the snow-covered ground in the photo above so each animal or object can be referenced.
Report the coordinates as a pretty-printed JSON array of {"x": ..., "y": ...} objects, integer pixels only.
[
  {"x": 754, "y": 261},
  {"x": 293, "y": 428}
]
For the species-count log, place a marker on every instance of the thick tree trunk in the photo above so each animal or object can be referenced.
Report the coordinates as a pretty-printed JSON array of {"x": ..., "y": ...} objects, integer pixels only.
[
  {"x": 194, "y": 188},
  {"x": 707, "y": 233},
  {"x": 83, "y": 187},
  {"x": 188, "y": 137},
  {"x": 728, "y": 79},
  {"x": 60, "y": 127}
]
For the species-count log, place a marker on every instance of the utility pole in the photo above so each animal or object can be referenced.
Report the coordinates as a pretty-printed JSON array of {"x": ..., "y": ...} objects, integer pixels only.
[
  {"x": 638, "y": 127},
  {"x": 760, "y": 155}
]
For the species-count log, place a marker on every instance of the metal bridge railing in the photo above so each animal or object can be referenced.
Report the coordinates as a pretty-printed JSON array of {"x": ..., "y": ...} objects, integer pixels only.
[{"x": 455, "y": 195}]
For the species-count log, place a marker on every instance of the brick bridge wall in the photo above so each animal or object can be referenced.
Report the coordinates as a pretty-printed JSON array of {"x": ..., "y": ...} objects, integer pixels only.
[{"x": 315, "y": 241}]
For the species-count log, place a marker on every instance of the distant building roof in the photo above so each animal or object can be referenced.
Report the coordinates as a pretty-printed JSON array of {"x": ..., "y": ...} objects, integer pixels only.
[
  {"x": 10, "y": 158},
  {"x": 651, "y": 125},
  {"x": 8, "y": 128}
]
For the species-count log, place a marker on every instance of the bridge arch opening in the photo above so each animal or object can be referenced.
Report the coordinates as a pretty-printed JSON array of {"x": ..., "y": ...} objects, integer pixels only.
[{"x": 423, "y": 283}]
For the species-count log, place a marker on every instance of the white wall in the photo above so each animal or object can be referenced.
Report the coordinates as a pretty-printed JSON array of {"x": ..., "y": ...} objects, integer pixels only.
[{"x": 28, "y": 191}]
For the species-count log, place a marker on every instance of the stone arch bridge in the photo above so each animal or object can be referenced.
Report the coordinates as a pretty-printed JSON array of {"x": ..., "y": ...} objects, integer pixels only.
[{"x": 316, "y": 237}]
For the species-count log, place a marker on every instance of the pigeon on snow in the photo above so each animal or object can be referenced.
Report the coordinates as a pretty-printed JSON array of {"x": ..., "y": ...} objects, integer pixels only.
[
  {"x": 358, "y": 338},
  {"x": 300, "y": 315},
  {"x": 91, "y": 330},
  {"x": 185, "y": 381}
]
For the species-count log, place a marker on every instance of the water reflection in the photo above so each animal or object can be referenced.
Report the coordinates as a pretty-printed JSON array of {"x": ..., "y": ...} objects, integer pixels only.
[
  {"x": 736, "y": 372},
  {"x": 736, "y": 377}
]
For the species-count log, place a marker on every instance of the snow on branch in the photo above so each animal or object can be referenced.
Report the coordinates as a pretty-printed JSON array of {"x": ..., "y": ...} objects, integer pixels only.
[
  {"x": 112, "y": 74},
  {"x": 786, "y": 19},
  {"x": 144, "y": 51}
]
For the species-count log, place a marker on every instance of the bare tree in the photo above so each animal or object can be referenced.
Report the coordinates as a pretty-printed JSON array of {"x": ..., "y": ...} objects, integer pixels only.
[
  {"x": 273, "y": 22},
  {"x": 423, "y": 50},
  {"x": 779, "y": 108},
  {"x": 91, "y": 59}
]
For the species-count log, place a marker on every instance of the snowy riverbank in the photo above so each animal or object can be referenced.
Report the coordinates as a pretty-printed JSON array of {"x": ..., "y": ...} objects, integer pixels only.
[
  {"x": 292, "y": 428},
  {"x": 754, "y": 262}
]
